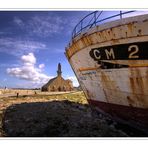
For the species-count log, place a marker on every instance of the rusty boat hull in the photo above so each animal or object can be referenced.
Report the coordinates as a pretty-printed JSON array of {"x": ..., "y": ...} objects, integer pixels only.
[{"x": 110, "y": 61}]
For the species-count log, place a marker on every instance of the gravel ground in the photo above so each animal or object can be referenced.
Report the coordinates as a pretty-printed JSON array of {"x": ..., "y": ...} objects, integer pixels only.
[
  {"x": 57, "y": 119},
  {"x": 66, "y": 115}
]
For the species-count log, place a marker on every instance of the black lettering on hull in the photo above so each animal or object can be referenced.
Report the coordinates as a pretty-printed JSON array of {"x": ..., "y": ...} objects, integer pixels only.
[{"x": 132, "y": 51}]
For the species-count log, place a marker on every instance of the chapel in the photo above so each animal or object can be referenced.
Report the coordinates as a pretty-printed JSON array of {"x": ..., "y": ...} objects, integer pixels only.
[{"x": 58, "y": 83}]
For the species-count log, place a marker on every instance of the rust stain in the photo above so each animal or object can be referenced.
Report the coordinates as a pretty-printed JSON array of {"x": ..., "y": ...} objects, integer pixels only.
[
  {"x": 100, "y": 36},
  {"x": 86, "y": 41},
  {"x": 107, "y": 83},
  {"x": 132, "y": 84},
  {"x": 88, "y": 68},
  {"x": 126, "y": 33},
  {"x": 109, "y": 32},
  {"x": 104, "y": 79},
  {"x": 140, "y": 84},
  {"x": 130, "y": 27},
  {"x": 139, "y": 32},
  {"x": 114, "y": 35},
  {"x": 145, "y": 20},
  {"x": 90, "y": 42},
  {"x": 137, "y": 83},
  {"x": 138, "y": 65},
  {"x": 76, "y": 46},
  {"x": 104, "y": 35},
  {"x": 138, "y": 87},
  {"x": 115, "y": 41},
  {"x": 130, "y": 101}
]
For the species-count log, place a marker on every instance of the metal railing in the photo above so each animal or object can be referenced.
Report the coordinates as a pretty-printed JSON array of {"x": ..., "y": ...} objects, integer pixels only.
[{"x": 93, "y": 19}]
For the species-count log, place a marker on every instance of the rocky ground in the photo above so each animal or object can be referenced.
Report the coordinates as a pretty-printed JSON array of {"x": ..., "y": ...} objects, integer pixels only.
[{"x": 65, "y": 115}]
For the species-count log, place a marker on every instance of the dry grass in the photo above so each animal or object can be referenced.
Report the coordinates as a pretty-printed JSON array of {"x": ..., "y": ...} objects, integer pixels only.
[
  {"x": 5, "y": 102},
  {"x": 77, "y": 97}
]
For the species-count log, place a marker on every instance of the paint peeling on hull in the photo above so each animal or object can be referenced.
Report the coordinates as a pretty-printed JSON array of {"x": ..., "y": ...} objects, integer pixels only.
[{"x": 113, "y": 68}]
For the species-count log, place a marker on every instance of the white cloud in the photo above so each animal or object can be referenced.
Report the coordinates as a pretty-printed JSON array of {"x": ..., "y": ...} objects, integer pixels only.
[
  {"x": 18, "y": 21},
  {"x": 28, "y": 59},
  {"x": 41, "y": 66},
  {"x": 74, "y": 80},
  {"x": 28, "y": 71}
]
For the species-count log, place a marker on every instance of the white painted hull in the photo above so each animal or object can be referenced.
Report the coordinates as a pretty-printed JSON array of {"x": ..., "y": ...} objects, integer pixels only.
[{"x": 111, "y": 64}]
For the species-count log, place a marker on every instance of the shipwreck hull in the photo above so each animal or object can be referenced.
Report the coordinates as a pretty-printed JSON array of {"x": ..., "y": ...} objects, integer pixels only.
[{"x": 111, "y": 64}]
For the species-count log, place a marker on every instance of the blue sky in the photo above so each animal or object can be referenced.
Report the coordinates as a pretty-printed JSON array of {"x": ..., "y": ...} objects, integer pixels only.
[{"x": 32, "y": 43}]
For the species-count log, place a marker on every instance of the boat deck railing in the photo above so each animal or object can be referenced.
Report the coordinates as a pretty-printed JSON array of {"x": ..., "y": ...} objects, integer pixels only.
[{"x": 96, "y": 18}]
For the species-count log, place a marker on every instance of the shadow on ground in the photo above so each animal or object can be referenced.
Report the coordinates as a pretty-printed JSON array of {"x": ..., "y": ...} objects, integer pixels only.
[{"x": 57, "y": 119}]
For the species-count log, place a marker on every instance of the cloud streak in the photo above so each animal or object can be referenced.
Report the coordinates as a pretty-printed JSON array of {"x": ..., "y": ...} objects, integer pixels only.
[
  {"x": 19, "y": 47},
  {"x": 45, "y": 26},
  {"x": 18, "y": 22},
  {"x": 48, "y": 24},
  {"x": 42, "y": 26}
]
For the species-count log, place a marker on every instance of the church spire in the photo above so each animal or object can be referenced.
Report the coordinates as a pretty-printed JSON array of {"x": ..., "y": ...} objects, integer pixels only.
[{"x": 59, "y": 72}]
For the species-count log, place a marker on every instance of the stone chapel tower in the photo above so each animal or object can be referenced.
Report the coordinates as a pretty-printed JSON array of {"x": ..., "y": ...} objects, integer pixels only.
[
  {"x": 58, "y": 83},
  {"x": 59, "y": 72}
]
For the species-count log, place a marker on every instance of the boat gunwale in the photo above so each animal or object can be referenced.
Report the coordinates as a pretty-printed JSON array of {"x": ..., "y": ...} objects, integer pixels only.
[
  {"x": 104, "y": 27},
  {"x": 96, "y": 20}
]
